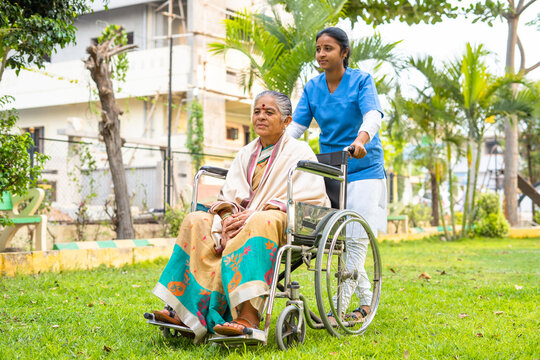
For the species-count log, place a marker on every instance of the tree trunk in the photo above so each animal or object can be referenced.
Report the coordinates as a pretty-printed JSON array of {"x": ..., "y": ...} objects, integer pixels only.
[
  {"x": 110, "y": 130},
  {"x": 465, "y": 216},
  {"x": 472, "y": 212},
  {"x": 434, "y": 197},
  {"x": 511, "y": 154},
  {"x": 3, "y": 55},
  {"x": 450, "y": 189},
  {"x": 443, "y": 221},
  {"x": 530, "y": 171}
]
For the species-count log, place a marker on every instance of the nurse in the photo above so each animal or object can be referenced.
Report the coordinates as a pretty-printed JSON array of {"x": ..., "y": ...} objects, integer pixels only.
[{"x": 345, "y": 104}]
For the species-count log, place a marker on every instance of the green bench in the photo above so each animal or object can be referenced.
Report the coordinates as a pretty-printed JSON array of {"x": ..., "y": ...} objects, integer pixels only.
[
  {"x": 398, "y": 220},
  {"x": 9, "y": 206}
]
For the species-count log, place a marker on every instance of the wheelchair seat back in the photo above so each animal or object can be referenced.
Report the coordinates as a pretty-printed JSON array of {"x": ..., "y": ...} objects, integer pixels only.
[
  {"x": 310, "y": 219},
  {"x": 336, "y": 159}
]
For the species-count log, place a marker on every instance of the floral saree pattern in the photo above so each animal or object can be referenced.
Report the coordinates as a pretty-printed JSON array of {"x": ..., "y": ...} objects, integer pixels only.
[{"x": 205, "y": 288}]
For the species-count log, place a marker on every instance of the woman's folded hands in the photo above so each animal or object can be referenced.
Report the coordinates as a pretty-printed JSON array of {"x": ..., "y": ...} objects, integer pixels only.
[{"x": 233, "y": 224}]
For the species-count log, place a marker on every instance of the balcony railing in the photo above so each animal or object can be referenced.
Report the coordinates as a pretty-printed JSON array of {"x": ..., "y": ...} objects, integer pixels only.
[{"x": 69, "y": 82}]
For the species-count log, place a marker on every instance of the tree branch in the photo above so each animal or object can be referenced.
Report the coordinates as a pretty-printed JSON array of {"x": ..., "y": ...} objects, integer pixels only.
[
  {"x": 120, "y": 49},
  {"x": 4, "y": 59},
  {"x": 528, "y": 70},
  {"x": 521, "y": 9},
  {"x": 521, "y": 53}
]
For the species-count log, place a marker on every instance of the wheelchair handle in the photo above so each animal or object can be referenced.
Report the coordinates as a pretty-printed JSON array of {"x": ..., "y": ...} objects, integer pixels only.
[
  {"x": 319, "y": 168},
  {"x": 349, "y": 149},
  {"x": 212, "y": 170}
]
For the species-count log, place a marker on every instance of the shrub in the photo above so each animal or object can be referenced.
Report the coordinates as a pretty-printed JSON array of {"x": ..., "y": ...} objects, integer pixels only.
[
  {"x": 490, "y": 222},
  {"x": 173, "y": 219},
  {"x": 458, "y": 215},
  {"x": 492, "y": 225},
  {"x": 536, "y": 218},
  {"x": 418, "y": 214},
  {"x": 488, "y": 203}
]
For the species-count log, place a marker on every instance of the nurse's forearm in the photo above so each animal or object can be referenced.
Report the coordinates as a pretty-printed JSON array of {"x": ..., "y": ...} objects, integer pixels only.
[
  {"x": 363, "y": 137},
  {"x": 371, "y": 124},
  {"x": 296, "y": 130},
  {"x": 359, "y": 142}
]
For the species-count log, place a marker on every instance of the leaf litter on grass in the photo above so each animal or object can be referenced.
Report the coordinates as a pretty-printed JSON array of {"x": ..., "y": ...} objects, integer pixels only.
[{"x": 454, "y": 292}]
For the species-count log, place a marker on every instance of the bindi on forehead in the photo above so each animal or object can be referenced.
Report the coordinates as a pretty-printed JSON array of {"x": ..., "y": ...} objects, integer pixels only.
[{"x": 263, "y": 105}]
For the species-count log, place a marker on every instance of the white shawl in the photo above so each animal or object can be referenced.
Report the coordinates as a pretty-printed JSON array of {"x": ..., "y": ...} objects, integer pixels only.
[{"x": 272, "y": 189}]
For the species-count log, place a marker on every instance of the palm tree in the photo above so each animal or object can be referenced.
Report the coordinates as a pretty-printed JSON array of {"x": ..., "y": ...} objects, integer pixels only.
[
  {"x": 478, "y": 100},
  {"x": 530, "y": 123},
  {"x": 433, "y": 120},
  {"x": 445, "y": 87},
  {"x": 280, "y": 52},
  {"x": 481, "y": 96},
  {"x": 526, "y": 103}
]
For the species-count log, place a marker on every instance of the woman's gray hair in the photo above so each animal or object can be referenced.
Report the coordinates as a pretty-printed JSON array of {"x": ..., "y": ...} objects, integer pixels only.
[{"x": 282, "y": 101}]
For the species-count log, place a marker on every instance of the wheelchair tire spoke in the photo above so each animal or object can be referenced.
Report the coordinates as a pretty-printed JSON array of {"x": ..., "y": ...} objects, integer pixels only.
[
  {"x": 334, "y": 281},
  {"x": 287, "y": 331}
]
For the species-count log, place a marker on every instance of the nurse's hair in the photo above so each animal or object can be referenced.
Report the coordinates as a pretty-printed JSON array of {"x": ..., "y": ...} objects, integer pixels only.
[
  {"x": 341, "y": 37},
  {"x": 282, "y": 101}
]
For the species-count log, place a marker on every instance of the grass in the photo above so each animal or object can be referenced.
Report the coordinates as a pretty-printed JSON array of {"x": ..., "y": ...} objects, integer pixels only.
[{"x": 98, "y": 314}]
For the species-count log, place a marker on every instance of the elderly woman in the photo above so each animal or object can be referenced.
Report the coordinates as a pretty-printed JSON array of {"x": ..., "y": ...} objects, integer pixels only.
[{"x": 222, "y": 264}]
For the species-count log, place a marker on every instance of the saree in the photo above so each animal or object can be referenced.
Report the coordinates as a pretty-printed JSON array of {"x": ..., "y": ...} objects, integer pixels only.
[{"x": 205, "y": 287}]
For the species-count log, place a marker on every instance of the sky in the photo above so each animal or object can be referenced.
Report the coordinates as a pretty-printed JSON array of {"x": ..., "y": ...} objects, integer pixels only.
[{"x": 446, "y": 41}]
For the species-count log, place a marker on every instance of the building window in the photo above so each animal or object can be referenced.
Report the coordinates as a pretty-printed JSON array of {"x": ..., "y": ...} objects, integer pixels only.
[
  {"x": 37, "y": 134},
  {"x": 493, "y": 147},
  {"x": 130, "y": 37},
  {"x": 231, "y": 76},
  {"x": 247, "y": 135},
  {"x": 232, "y": 133}
]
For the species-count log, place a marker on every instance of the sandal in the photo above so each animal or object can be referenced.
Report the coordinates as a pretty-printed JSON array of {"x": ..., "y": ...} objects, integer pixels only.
[
  {"x": 167, "y": 318},
  {"x": 358, "y": 315},
  {"x": 227, "y": 330},
  {"x": 332, "y": 319}
]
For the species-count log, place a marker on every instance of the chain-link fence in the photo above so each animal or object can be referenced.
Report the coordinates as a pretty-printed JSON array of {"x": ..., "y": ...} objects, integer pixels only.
[
  {"x": 185, "y": 171},
  {"x": 78, "y": 178}
]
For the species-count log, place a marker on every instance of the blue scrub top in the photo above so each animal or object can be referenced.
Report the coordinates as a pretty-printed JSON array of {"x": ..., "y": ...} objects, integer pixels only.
[{"x": 340, "y": 115}]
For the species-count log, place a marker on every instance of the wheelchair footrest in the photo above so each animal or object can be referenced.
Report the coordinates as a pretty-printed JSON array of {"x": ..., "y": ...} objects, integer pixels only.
[
  {"x": 258, "y": 337},
  {"x": 182, "y": 329}
]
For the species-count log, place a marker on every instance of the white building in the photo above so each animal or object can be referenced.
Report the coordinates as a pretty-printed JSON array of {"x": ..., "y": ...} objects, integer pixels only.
[{"x": 58, "y": 102}]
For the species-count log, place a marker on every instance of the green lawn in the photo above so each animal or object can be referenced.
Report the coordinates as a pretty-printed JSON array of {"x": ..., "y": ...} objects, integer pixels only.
[{"x": 98, "y": 314}]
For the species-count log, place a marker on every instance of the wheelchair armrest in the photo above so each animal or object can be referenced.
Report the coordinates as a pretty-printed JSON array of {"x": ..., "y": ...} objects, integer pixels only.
[
  {"x": 215, "y": 170},
  {"x": 319, "y": 167}
]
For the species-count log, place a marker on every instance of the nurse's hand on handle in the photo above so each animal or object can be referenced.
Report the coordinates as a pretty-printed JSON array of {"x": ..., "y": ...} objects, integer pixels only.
[{"x": 357, "y": 149}]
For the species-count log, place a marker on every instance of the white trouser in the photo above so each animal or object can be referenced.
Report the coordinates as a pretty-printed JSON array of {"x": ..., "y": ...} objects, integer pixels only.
[{"x": 367, "y": 198}]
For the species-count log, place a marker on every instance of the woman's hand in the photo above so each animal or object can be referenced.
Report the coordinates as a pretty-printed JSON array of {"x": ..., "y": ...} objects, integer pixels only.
[
  {"x": 359, "y": 145},
  {"x": 233, "y": 224}
]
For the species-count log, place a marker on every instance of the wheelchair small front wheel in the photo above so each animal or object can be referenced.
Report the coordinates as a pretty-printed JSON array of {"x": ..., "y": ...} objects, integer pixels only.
[
  {"x": 167, "y": 333},
  {"x": 333, "y": 281},
  {"x": 290, "y": 328}
]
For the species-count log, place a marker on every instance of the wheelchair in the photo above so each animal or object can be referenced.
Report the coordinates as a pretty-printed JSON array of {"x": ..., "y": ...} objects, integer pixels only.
[{"x": 316, "y": 238}]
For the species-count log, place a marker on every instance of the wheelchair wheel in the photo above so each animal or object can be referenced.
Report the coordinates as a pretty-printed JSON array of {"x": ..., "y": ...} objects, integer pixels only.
[
  {"x": 332, "y": 278},
  {"x": 288, "y": 333}
]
